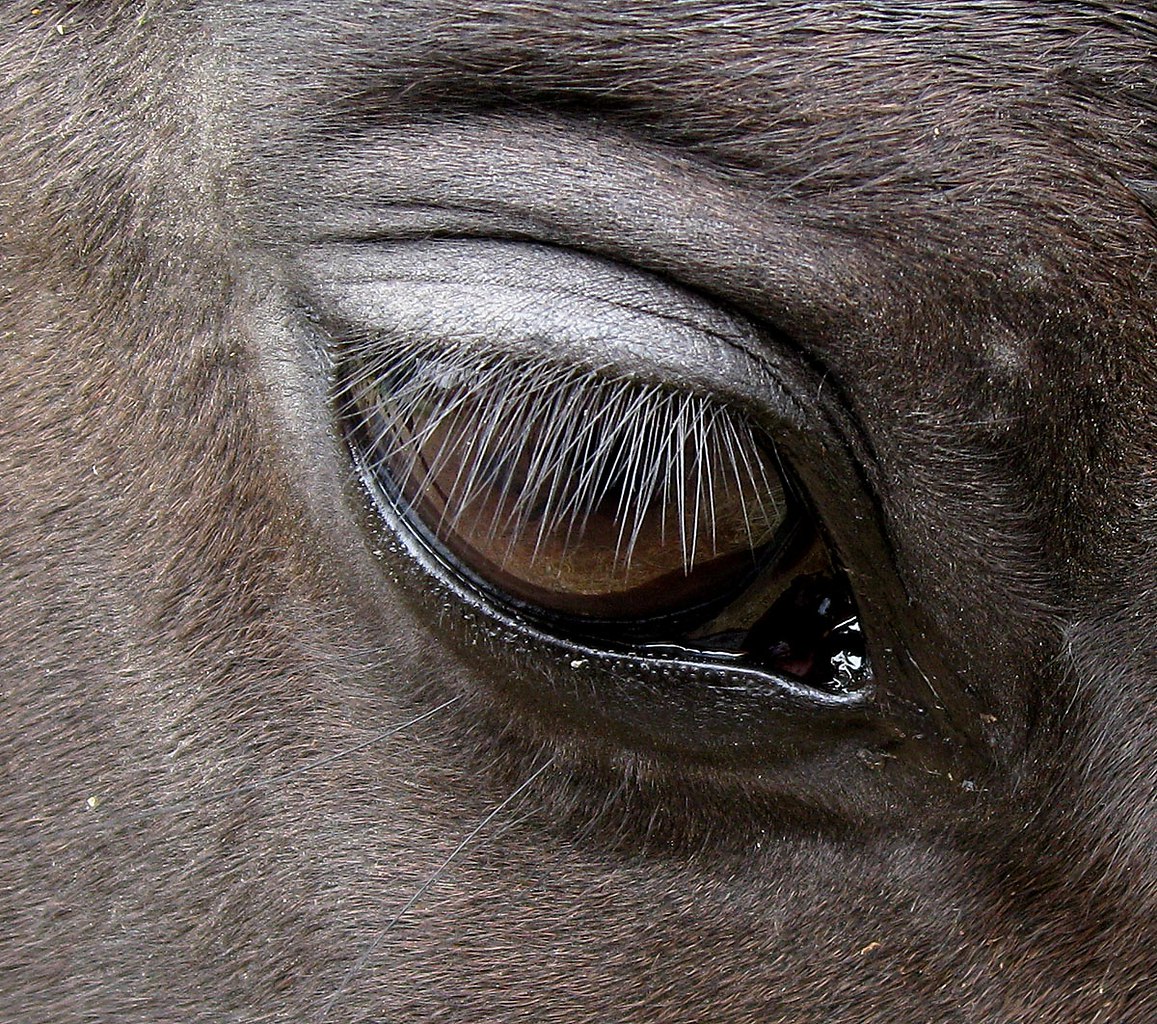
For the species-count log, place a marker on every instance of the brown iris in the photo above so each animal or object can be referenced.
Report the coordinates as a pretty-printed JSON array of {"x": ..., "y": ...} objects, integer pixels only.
[{"x": 572, "y": 492}]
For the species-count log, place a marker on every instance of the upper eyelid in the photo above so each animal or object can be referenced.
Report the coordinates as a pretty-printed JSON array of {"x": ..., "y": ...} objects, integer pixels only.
[
  {"x": 634, "y": 307},
  {"x": 707, "y": 347},
  {"x": 512, "y": 177},
  {"x": 481, "y": 260}
]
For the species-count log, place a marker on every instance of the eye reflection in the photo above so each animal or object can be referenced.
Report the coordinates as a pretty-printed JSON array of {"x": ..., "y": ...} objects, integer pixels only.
[{"x": 605, "y": 507}]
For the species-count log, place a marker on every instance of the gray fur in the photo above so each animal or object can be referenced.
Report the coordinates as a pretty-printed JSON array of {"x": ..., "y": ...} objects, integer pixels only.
[{"x": 245, "y": 732}]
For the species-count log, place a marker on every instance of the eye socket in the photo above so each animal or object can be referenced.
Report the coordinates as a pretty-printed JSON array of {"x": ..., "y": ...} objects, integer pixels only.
[{"x": 602, "y": 507}]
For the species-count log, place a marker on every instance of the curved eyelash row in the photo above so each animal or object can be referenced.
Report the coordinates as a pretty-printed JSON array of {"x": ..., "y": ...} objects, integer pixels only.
[{"x": 581, "y": 438}]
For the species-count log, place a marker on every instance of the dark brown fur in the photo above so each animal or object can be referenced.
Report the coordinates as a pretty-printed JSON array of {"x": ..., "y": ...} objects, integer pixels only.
[{"x": 947, "y": 211}]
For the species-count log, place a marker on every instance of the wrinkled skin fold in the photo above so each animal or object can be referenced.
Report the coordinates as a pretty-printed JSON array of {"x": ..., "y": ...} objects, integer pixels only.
[{"x": 266, "y": 758}]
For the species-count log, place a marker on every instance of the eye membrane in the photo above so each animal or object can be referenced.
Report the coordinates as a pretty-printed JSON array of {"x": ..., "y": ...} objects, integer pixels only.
[{"x": 600, "y": 506}]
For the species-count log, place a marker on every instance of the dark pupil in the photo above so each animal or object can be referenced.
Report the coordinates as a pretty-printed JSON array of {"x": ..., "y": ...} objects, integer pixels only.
[{"x": 581, "y": 496}]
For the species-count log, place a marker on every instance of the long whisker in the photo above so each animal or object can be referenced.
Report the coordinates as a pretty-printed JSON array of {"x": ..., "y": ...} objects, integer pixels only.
[{"x": 425, "y": 887}]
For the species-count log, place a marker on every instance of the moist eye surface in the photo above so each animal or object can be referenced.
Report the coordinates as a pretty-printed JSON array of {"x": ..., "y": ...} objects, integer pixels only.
[{"x": 601, "y": 506}]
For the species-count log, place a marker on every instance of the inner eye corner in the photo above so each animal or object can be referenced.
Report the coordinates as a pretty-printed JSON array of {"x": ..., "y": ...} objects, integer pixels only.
[{"x": 603, "y": 510}]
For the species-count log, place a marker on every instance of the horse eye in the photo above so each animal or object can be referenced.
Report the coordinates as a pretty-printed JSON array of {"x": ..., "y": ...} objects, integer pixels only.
[{"x": 604, "y": 509}]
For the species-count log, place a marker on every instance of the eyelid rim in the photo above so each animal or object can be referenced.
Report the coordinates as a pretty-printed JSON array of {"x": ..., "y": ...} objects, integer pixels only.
[
  {"x": 739, "y": 678},
  {"x": 371, "y": 287}
]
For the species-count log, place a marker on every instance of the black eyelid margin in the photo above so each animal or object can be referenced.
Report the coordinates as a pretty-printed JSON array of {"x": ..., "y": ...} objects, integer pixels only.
[{"x": 779, "y": 703}]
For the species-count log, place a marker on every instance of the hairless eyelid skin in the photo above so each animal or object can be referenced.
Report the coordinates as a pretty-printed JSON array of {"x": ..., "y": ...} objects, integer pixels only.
[{"x": 516, "y": 298}]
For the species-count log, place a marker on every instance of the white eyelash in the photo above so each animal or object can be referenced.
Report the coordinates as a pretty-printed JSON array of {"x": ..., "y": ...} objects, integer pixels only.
[{"x": 589, "y": 427}]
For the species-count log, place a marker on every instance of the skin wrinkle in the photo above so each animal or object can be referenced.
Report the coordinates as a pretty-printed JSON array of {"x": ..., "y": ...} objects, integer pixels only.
[
  {"x": 979, "y": 92},
  {"x": 935, "y": 215}
]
